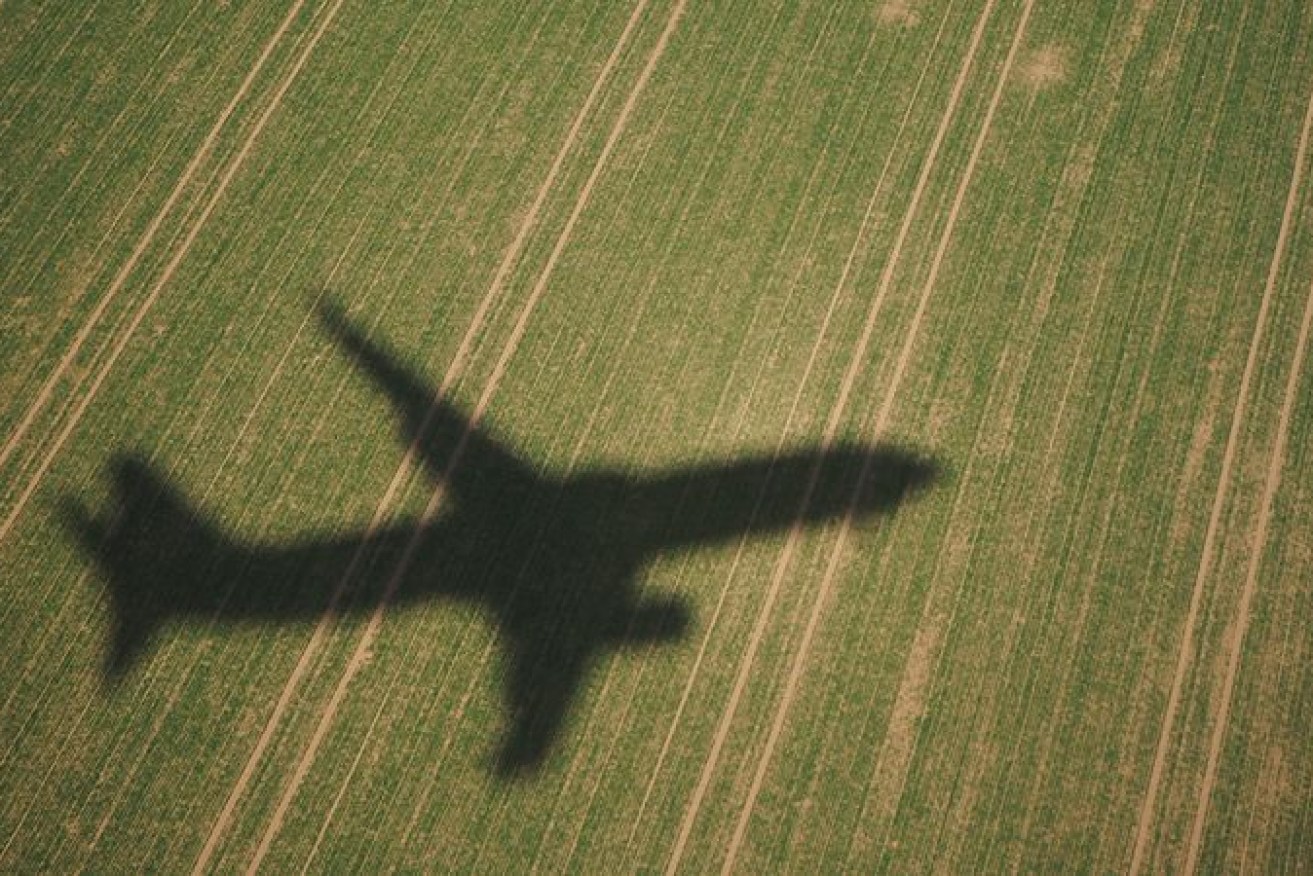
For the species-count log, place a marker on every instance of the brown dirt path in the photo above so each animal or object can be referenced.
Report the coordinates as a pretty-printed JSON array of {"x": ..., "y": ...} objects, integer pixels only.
[
  {"x": 43, "y": 395},
  {"x": 1235, "y": 637},
  {"x": 407, "y": 465},
  {"x": 57, "y": 444},
  {"x": 360, "y": 656},
  {"x": 855, "y": 363},
  {"x": 713, "y": 621},
  {"x": 1185, "y": 654}
]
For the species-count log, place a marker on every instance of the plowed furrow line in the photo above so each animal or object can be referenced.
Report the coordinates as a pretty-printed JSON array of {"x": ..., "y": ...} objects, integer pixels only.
[{"x": 1235, "y": 639}]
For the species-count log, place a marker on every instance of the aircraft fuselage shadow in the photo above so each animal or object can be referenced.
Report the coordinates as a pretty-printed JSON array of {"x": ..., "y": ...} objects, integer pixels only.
[{"x": 551, "y": 560}]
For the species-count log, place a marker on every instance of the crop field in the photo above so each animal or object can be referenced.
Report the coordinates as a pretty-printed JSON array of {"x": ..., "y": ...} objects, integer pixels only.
[{"x": 658, "y": 435}]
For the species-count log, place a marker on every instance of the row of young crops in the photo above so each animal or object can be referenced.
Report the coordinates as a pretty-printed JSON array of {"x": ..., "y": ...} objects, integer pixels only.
[{"x": 1051, "y": 261}]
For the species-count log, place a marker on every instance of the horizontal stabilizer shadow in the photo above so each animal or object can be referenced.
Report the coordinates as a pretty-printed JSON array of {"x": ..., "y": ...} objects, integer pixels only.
[{"x": 551, "y": 560}]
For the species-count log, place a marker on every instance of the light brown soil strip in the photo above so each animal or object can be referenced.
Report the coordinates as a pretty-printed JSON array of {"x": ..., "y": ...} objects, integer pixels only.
[
  {"x": 359, "y": 656},
  {"x": 728, "y": 120},
  {"x": 933, "y": 634},
  {"x": 713, "y": 621},
  {"x": 1236, "y": 635},
  {"x": 19, "y": 264},
  {"x": 1208, "y": 556},
  {"x": 43, "y": 395},
  {"x": 406, "y": 466},
  {"x": 711, "y": 625},
  {"x": 54, "y": 447},
  {"x": 856, "y": 361},
  {"x": 368, "y": 738}
]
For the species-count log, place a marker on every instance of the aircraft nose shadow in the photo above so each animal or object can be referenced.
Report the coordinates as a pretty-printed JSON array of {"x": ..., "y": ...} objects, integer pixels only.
[{"x": 552, "y": 562}]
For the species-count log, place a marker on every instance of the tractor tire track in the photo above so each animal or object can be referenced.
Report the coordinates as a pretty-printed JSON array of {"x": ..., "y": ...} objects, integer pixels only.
[
  {"x": 57, "y": 444},
  {"x": 800, "y": 658},
  {"x": 360, "y": 655},
  {"x": 1207, "y": 558},
  {"x": 47, "y": 389},
  {"x": 1235, "y": 638},
  {"x": 839, "y": 408}
]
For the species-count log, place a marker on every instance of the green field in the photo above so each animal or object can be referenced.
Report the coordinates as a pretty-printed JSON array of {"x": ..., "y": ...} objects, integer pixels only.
[{"x": 661, "y": 435}]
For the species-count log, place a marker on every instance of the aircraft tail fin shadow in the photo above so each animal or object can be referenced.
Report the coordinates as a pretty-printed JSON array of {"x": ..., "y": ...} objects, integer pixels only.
[{"x": 143, "y": 544}]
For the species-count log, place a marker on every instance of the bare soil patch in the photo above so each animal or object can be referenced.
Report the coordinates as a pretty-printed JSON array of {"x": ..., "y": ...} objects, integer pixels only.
[
  {"x": 898, "y": 13},
  {"x": 1045, "y": 67}
]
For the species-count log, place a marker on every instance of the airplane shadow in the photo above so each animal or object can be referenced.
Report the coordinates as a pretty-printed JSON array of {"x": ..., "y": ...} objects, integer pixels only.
[{"x": 552, "y": 560}]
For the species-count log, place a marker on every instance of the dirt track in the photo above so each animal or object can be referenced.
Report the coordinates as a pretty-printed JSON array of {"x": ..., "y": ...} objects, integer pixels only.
[
  {"x": 1208, "y": 556},
  {"x": 43, "y": 395},
  {"x": 360, "y": 655}
]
